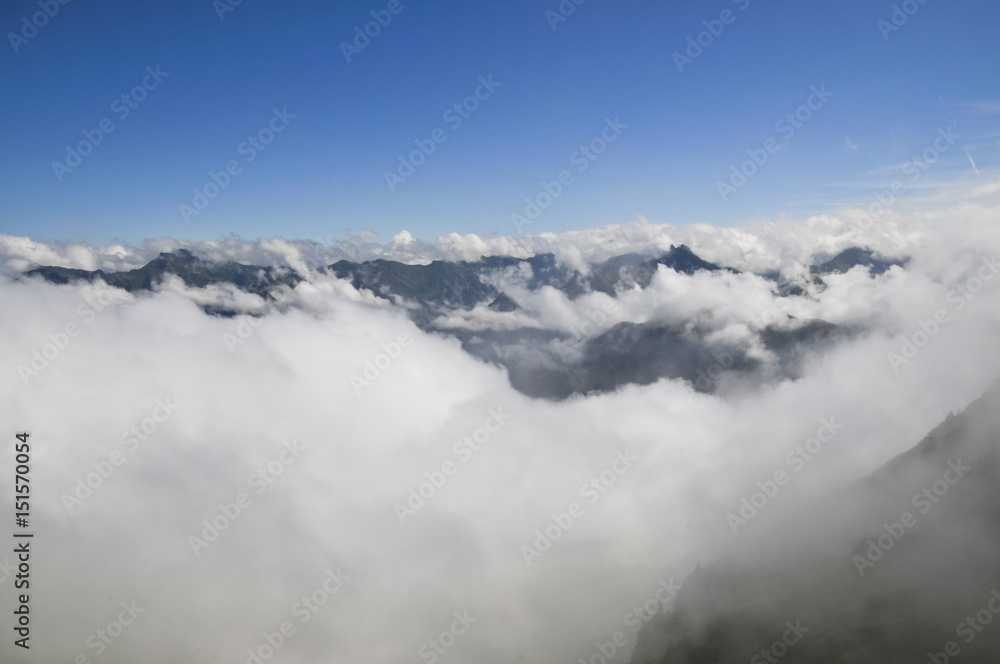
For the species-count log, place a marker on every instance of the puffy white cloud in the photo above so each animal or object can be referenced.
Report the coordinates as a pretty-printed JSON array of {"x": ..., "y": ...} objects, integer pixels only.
[
  {"x": 382, "y": 408},
  {"x": 759, "y": 246}
]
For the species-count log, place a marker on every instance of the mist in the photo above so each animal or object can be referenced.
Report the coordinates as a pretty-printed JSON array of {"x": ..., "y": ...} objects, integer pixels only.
[{"x": 322, "y": 479}]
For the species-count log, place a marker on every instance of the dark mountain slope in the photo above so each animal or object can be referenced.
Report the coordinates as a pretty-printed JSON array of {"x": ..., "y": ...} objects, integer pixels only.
[
  {"x": 630, "y": 269},
  {"x": 853, "y": 257},
  {"x": 629, "y": 353},
  {"x": 910, "y": 602},
  {"x": 192, "y": 270},
  {"x": 440, "y": 283}
]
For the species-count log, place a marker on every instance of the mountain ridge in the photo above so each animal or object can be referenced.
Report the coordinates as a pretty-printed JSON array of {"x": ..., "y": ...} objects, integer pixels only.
[
  {"x": 907, "y": 604},
  {"x": 543, "y": 364}
]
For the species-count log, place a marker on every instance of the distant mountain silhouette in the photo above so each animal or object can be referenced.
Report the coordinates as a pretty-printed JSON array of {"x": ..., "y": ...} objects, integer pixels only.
[
  {"x": 629, "y": 353},
  {"x": 853, "y": 257}
]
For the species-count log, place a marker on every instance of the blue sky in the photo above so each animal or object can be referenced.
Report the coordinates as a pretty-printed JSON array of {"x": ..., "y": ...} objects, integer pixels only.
[{"x": 324, "y": 173}]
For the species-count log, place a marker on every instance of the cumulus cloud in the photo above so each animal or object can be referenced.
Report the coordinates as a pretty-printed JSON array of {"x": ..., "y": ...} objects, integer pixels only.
[
  {"x": 760, "y": 246},
  {"x": 385, "y": 455}
]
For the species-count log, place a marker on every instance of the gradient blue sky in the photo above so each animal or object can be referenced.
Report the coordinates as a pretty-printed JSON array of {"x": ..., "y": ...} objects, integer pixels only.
[{"x": 324, "y": 174}]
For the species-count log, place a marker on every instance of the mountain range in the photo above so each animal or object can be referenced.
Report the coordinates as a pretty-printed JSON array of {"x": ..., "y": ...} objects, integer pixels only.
[{"x": 540, "y": 362}]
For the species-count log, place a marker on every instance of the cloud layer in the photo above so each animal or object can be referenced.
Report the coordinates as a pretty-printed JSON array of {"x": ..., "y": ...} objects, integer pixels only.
[{"x": 337, "y": 418}]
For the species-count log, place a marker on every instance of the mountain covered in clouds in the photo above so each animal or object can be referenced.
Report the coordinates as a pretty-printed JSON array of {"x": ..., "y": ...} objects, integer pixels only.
[
  {"x": 457, "y": 405},
  {"x": 601, "y": 356},
  {"x": 195, "y": 273},
  {"x": 461, "y": 284},
  {"x": 890, "y": 570},
  {"x": 853, "y": 257}
]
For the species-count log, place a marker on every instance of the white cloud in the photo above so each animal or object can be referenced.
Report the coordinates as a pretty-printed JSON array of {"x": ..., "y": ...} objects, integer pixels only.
[{"x": 335, "y": 506}]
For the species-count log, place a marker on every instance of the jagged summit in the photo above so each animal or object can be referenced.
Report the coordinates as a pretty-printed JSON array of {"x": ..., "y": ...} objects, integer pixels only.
[{"x": 602, "y": 359}]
